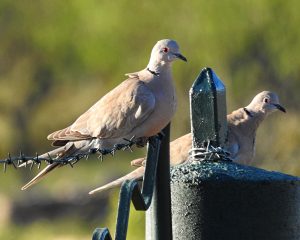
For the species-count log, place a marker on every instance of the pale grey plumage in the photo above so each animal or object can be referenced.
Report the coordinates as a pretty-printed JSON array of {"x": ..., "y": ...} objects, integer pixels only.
[
  {"x": 242, "y": 126},
  {"x": 243, "y": 123},
  {"x": 140, "y": 106}
]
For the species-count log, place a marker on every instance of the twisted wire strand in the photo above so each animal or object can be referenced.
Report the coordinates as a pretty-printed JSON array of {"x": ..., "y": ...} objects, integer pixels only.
[
  {"x": 210, "y": 153},
  {"x": 16, "y": 161}
]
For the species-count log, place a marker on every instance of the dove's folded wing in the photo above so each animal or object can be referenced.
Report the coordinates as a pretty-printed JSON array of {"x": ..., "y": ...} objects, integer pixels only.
[{"x": 114, "y": 115}]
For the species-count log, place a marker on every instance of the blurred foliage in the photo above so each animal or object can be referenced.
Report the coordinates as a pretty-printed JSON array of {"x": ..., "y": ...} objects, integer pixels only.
[{"x": 59, "y": 57}]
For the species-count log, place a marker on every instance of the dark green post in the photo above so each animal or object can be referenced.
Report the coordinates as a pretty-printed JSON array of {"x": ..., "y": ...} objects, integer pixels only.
[
  {"x": 222, "y": 200},
  {"x": 208, "y": 109},
  {"x": 158, "y": 216}
]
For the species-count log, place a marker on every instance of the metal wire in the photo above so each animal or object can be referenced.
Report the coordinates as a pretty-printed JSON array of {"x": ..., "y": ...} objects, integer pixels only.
[
  {"x": 210, "y": 153},
  {"x": 16, "y": 161}
]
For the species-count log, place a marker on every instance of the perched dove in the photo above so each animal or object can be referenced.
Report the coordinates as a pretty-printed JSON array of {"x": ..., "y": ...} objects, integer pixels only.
[
  {"x": 141, "y": 106},
  {"x": 242, "y": 126}
]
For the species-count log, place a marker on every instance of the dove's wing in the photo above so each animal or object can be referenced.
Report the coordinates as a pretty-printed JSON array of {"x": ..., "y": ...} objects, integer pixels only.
[
  {"x": 233, "y": 147},
  {"x": 115, "y": 115},
  {"x": 241, "y": 131},
  {"x": 179, "y": 149}
]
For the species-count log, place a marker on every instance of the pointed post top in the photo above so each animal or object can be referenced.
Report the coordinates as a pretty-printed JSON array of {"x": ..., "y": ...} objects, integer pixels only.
[{"x": 208, "y": 110}]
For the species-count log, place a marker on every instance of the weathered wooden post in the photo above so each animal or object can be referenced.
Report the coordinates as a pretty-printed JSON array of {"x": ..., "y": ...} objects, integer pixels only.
[{"x": 220, "y": 200}]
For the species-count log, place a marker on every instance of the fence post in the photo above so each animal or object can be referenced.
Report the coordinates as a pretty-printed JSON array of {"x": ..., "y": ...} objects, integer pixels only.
[
  {"x": 158, "y": 216},
  {"x": 222, "y": 200}
]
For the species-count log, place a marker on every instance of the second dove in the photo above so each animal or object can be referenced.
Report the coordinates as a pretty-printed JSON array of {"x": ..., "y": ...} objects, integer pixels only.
[{"x": 242, "y": 126}]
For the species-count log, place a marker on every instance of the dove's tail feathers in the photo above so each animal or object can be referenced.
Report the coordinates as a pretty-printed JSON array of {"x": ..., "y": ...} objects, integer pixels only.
[
  {"x": 51, "y": 154},
  {"x": 41, "y": 175},
  {"x": 57, "y": 153},
  {"x": 63, "y": 136},
  {"x": 137, "y": 174}
]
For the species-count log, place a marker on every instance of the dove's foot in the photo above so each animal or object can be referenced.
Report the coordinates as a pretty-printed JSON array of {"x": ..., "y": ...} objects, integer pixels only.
[
  {"x": 141, "y": 142},
  {"x": 160, "y": 135}
]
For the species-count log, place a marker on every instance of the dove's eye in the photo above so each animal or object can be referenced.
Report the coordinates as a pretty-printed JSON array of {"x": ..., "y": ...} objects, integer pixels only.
[
  {"x": 165, "y": 50},
  {"x": 266, "y": 100}
]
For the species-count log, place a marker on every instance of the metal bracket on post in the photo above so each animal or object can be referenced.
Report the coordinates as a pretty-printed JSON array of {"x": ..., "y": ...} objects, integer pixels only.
[
  {"x": 101, "y": 234},
  {"x": 130, "y": 191}
]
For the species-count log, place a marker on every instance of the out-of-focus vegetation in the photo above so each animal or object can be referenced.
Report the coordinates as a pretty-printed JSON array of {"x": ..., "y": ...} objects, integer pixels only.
[{"x": 58, "y": 57}]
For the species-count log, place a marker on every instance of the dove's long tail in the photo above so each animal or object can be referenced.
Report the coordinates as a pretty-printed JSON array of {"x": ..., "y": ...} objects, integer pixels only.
[
  {"x": 57, "y": 153},
  {"x": 40, "y": 175},
  {"x": 138, "y": 162},
  {"x": 137, "y": 174}
]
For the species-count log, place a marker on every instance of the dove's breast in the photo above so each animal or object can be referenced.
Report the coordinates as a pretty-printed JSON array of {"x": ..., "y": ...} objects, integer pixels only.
[{"x": 165, "y": 106}]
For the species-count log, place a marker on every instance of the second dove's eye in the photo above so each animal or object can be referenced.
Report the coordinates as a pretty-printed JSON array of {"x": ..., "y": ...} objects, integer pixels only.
[
  {"x": 266, "y": 100},
  {"x": 165, "y": 50}
]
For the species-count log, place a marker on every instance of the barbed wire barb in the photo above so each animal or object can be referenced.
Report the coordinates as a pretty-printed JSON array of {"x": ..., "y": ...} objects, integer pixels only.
[
  {"x": 210, "y": 153},
  {"x": 100, "y": 157},
  {"x": 31, "y": 165},
  {"x": 14, "y": 165},
  {"x": 50, "y": 161},
  {"x": 37, "y": 159}
]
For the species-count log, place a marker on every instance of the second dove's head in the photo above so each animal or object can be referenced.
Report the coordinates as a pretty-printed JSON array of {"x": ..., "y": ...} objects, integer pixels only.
[
  {"x": 266, "y": 102},
  {"x": 166, "y": 51}
]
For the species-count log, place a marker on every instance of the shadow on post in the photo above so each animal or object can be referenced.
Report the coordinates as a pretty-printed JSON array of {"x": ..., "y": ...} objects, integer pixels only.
[{"x": 221, "y": 200}]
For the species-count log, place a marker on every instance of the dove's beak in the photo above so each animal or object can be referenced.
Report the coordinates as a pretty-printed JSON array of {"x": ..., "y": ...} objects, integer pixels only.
[
  {"x": 279, "y": 107},
  {"x": 180, "y": 56}
]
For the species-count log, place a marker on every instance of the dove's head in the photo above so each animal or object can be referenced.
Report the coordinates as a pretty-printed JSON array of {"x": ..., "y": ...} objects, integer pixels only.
[
  {"x": 266, "y": 102},
  {"x": 165, "y": 51}
]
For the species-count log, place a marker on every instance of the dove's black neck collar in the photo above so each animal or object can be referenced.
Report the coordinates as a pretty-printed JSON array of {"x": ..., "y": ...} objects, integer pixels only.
[
  {"x": 248, "y": 112},
  {"x": 153, "y": 72}
]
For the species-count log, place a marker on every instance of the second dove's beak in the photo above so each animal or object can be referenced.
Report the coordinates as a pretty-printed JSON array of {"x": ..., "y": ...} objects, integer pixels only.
[
  {"x": 279, "y": 107},
  {"x": 178, "y": 55}
]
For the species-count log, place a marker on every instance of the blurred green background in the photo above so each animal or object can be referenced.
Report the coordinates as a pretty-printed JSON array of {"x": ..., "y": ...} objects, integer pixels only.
[{"x": 59, "y": 57}]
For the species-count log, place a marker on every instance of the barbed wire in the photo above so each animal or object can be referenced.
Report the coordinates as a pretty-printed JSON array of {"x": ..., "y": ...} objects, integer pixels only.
[
  {"x": 22, "y": 159},
  {"x": 209, "y": 153}
]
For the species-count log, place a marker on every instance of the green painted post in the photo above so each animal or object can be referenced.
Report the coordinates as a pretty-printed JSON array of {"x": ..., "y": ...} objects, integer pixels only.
[
  {"x": 222, "y": 200},
  {"x": 208, "y": 109},
  {"x": 158, "y": 216}
]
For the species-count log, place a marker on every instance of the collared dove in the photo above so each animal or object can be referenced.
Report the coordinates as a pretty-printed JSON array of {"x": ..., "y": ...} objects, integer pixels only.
[
  {"x": 141, "y": 106},
  {"x": 242, "y": 126}
]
